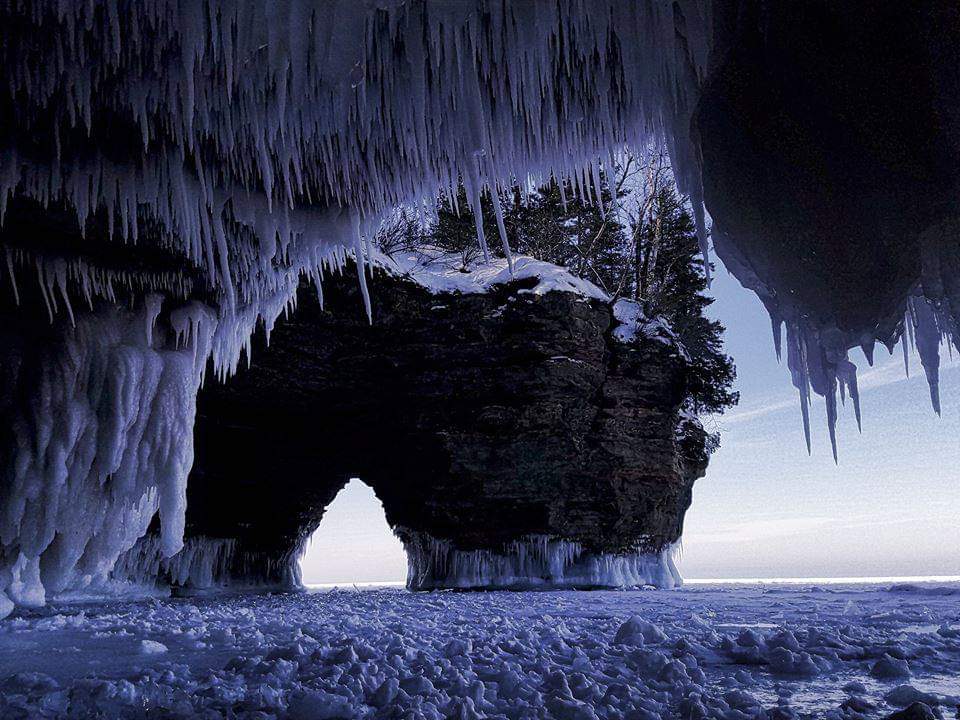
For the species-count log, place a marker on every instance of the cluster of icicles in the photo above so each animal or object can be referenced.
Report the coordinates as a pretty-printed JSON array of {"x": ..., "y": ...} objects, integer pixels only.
[
  {"x": 259, "y": 113},
  {"x": 538, "y": 561},
  {"x": 203, "y": 563},
  {"x": 818, "y": 359},
  {"x": 256, "y": 139},
  {"x": 102, "y": 416},
  {"x": 104, "y": 443}
]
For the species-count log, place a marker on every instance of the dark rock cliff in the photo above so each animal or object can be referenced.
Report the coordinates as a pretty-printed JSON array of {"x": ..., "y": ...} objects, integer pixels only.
[
  {"x": 489, "y": 425},
  {"x": 830, "y": 145}
]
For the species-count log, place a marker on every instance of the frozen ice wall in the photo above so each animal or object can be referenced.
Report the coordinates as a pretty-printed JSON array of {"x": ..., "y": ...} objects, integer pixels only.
[
  {"x": 535, "y": 562},
  {"x": 102, "y": 440}
]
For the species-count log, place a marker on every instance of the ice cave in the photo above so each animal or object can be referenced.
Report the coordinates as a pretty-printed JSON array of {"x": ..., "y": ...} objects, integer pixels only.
[{"x": 204, "y": 338}]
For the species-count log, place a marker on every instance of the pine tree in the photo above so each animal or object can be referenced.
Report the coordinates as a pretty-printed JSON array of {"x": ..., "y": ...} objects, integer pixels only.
[
  {"x": 574, "y": 234},
  {"x": 455, "y": 229},
  {"x": 675, "y": 287},
  {"x": 656, "y": 260}
]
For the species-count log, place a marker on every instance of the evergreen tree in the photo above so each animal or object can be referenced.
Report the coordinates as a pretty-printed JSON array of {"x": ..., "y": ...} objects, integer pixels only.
[
  {"x": 656, "y": 260},
  {"x": 455, "y": 229},
  {"x": 675, "y": 286},
  {"x": 574, "y": 234}
]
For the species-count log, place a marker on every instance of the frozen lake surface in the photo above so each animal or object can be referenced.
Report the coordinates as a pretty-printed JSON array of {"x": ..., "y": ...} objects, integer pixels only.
[{"x": 760, "y": 651}]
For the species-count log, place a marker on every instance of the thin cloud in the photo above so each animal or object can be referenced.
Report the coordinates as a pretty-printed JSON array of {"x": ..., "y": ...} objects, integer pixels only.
[{"x": 887, "y": 374}]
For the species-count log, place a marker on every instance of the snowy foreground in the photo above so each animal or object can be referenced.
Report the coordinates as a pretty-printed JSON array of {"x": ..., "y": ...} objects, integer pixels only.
[{"x": 710, "y": 651}]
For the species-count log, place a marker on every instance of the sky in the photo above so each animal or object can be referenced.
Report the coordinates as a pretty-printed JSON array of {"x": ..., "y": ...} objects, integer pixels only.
[{"x": 766, "y": 509}]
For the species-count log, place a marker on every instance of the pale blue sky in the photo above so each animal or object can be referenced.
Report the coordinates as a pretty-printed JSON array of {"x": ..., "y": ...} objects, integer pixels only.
[{"x": 766, "y": 508}]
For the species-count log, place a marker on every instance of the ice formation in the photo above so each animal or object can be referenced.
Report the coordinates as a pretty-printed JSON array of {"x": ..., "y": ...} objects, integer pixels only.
[
  {"x": 257, "y": 142},
  {"x": 819, "y": 362},
  {"x": 267, "y": 117},
  {"x": 818, "y": 354},
  {"x": 202, "y": 562},
  {"x": 102, "y": 443},
  {"x": 538, "y": 561},
  {"x": 712, "y": 652}
]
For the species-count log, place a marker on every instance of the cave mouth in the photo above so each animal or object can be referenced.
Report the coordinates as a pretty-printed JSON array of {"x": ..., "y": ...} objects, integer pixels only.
[{"x": 353, "y": 544}]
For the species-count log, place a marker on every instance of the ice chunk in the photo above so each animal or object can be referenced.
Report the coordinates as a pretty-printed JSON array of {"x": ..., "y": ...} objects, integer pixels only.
[
  {"x": 890, "y": 668},
  {"x": 152, "y": 647},
  {"x": 6, "y": 605},
  {"x": 637, "y": 631}
]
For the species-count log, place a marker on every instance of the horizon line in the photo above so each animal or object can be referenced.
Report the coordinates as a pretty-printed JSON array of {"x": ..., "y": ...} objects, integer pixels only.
[{"x": 838, "y": 580}]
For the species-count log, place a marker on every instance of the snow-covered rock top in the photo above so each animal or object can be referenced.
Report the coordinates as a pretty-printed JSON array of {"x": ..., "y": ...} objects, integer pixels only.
[
  {"x": 633, "y": 323},
  {"x": 444, "y": 272},
  {"x": 440, "y": 271}
]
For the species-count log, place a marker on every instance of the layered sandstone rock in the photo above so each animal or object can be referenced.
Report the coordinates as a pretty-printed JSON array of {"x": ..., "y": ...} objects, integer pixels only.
[{"x": 492, "y": 425}]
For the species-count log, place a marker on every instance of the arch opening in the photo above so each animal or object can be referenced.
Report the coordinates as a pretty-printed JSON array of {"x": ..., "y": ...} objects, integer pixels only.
[{"x": 353, "y": 543}]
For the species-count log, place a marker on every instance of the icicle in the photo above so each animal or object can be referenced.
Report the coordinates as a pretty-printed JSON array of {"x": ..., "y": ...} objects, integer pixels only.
[
  {"x": 847, "y": 375},
  {"x": 831, "y": 401},
  {"x": 501, "y": 228},
  {"x": 927, "y": 335},
  {"x": 361, "y": 274},
  {"x": 867, "y": 346},
  {"x": 43, "y": 291},
  {"x": 906, "y": 353},
  {"x": 598, "y": 188},
  {"x": 474, "y": 188},
  {"x": 776, "y": 324},
  {"x": 13, "y": 277},
  {"x": 153, "y": 304},
  {"x": 797, "y": 362}
]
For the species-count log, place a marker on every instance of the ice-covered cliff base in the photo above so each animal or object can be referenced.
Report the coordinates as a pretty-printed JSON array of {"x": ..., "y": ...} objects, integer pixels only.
[{"x": 536, "y": 562}]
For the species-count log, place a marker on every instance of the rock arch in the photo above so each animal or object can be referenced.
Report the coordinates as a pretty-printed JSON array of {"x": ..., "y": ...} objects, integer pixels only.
[{"x": 510, "y": 437}]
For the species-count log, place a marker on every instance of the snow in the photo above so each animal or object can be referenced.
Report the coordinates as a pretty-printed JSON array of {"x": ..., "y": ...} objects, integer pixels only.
[
  {"x": 709, "y": 651},
  {"x": 444, "y": 272},
  {"x": 634, "y": 323},
  {"x": 629, "y": 313}
]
